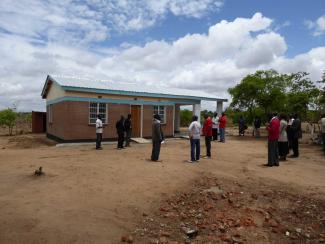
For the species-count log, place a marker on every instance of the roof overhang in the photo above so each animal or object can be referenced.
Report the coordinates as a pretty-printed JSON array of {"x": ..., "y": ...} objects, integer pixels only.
[{"x": 50, "y": 80}]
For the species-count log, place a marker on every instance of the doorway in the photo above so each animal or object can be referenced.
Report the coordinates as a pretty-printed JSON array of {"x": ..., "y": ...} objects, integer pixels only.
[{"x": 136, "y": 120}]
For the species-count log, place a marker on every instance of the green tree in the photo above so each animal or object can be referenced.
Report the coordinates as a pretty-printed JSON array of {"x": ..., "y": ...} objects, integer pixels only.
[
  {"x": 302, "y": 94},
  {"x": 270, "y": 91},
  {"x": 8, "y": 118},
  {"x": 186, "y": 117},
  {"x": 264, "y": 89}
]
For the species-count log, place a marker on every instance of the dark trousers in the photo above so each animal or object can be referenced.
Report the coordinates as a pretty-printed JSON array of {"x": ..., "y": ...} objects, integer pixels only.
[
  {"x": 128, "y": 137},
  {"x": 120, "y": 140},
  {"x": 195, "y": 149},
  {"x": 155, "y": 150},
  {"x": 98, "y": 140},
  {"x": 273, "y": 153},
  {"x": 215, "y": 133},
  {"x": 208, "y": 145},
  {"x": 295, "y": 147}
]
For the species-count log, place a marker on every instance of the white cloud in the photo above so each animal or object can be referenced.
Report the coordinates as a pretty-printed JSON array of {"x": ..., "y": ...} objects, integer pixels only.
[
  {"x": 317, "y": 27},
  {"x": 83, "y": 22},
  {"x": 212, "y": 62}
]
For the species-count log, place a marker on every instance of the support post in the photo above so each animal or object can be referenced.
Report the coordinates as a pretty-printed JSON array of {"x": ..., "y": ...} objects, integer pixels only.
[
  {"x": 177, "y": 118},
  {"x": 219, "y": 107},
  {"x": 197, "y": 110}
]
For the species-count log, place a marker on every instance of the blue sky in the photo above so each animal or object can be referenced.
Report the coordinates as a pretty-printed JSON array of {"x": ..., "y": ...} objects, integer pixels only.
[
  {"x": 289, "y": 16},
  {"x": 209, "y": 45}
]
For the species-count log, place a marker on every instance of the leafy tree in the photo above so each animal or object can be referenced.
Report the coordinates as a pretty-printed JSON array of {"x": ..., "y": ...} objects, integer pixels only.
[
  {"x": 264, "y": 89},
  {"x": 8, "y": 118},
  {"x": 302, "y": 94},
  {"x": 186, "y": 117},
  {"x": 270, "y": 91}
]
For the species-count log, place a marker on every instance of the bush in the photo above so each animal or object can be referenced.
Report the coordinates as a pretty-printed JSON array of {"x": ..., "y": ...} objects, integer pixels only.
[{"x": 8, "y": 118}]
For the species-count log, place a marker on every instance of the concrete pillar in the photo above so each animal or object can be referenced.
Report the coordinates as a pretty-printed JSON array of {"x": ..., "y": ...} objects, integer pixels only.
[
  {"x": 219, "y": 107},
  {"x": 177, "y": 118},
  {"x": 197, "y": 110}
]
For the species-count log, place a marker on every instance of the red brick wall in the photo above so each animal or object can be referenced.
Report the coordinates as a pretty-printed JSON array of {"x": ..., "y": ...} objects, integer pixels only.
[{"x": 71, "y": 120}]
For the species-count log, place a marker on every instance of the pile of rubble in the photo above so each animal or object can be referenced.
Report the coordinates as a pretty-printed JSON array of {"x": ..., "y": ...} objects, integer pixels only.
[{"x": 216, "y": 211}]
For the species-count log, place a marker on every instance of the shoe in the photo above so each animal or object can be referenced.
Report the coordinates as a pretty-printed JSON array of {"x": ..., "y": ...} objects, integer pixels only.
[
  {"x": 293, "y": 156},
  {"x": 123, "y": 148},
  {"x": 100, "y": 148},
  {"x": 206, "y": 157},
  {"x": 119, "y": 148},
  {"x": 267, "y": 165},
  {"x": 198, "y": 160},
  {"x": 190, "y": 161}
]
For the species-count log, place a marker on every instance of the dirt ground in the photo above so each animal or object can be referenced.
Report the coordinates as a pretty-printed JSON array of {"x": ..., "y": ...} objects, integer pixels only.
[{"x": 109, "y": 196}]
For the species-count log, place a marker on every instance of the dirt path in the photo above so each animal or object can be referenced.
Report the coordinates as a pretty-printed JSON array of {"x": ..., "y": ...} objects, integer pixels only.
[{"x": 90, "y": 196}]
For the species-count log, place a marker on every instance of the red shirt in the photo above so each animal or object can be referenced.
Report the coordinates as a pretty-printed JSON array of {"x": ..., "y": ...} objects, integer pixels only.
[
  {"x": 222, "y": 121},
  {"x": 274, "y": 129},
  {"x": 207, "y": 127}
]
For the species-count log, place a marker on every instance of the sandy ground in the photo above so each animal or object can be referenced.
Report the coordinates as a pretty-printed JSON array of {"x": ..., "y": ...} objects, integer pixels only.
[{"x": 89, "y": 196}]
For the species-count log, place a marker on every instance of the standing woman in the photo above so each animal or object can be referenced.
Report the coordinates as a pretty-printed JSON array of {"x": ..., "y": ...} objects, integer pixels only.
[
  {"x": 120, "y": 133},
  {"x": 283, "y": 138},
  {"x": 215, "y": 126}
]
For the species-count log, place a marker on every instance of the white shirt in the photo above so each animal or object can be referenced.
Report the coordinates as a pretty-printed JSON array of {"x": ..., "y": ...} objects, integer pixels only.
[
  {"x": 195, "y": 130},
  {"x": 215, "y": 124},
  {"x": 99, "y": 126},
  {"x": 322, "y": 125}
]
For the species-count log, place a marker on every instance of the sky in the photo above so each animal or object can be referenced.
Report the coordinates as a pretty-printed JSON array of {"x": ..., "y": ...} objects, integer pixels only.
[{"x": 207, "y": 45}]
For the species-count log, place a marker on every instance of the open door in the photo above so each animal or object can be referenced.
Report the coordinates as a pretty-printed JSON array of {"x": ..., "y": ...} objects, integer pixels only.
[{"x": 136, "y": 120}]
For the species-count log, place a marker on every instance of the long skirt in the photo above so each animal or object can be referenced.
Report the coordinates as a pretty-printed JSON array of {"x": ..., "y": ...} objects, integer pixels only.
[{"x": 283, "y": 148}]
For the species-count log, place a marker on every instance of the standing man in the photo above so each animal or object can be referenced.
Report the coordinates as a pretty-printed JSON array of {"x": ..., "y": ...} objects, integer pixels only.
[
  {"x": 157, "y": 138},
  {"x": 322, "y": 130},
  {"x": 296, "y": 135},
  {"x": 222, "y": 127},
  {"x": 120, "y": 132},
  {"x": 242, "y": 126},
  {"x": 195, "y": 135},
  {"x": 207, "y": 132},
  {"x": 257, "y": 126},
  {"x": 215, "y": 126},
  {"x": 99, "y": 133},
  {"x": 273, "y": 152},
  {"x": 128, "y": 130}
]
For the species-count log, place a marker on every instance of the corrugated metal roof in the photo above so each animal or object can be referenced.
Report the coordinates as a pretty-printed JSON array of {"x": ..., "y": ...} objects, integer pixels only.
[{"x": 76, "y": 82}]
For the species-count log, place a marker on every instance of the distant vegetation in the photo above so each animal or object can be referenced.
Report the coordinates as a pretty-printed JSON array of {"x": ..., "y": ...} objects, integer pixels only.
[
  {"x": 268, "y": 91},
  {"x": 10, "y": 119}
]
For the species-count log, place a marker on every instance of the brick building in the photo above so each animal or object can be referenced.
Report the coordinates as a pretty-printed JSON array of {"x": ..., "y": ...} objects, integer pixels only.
[{"x": 72, "y": 105}]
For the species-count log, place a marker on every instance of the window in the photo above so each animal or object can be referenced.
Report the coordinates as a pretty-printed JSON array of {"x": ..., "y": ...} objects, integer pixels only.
[
  {"x": 161, "y": 111},
  {"x": 50, "y": 113},
  {"x": 97, "y": 109}
]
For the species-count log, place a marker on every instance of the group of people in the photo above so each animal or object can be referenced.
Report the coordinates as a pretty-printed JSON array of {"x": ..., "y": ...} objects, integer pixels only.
[
  {"x": 283, "y": 136},
  {"x": 123, "y": 129},
  {"x": 212, "y": 127}
]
